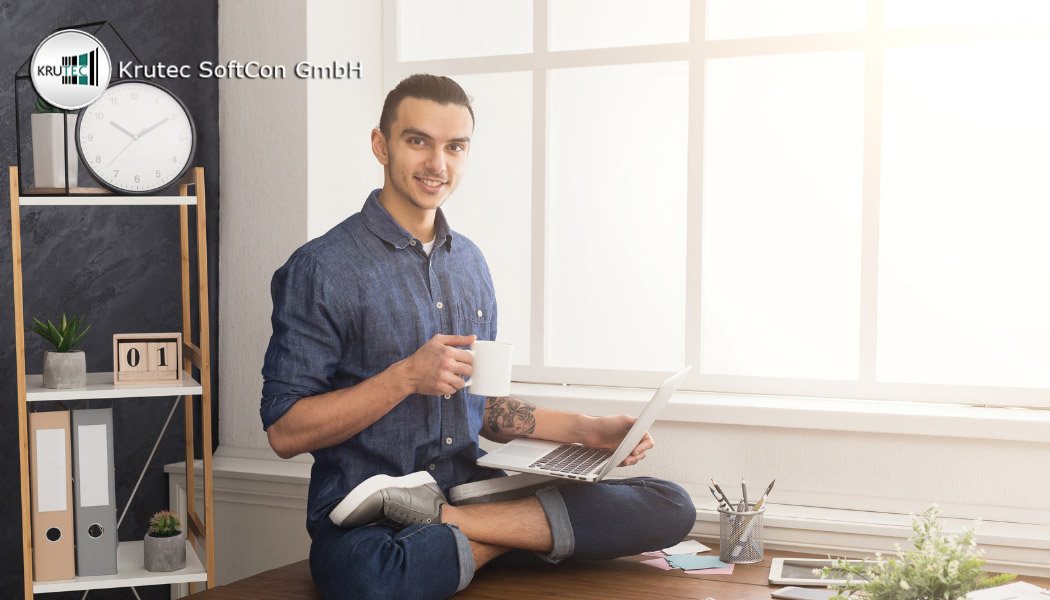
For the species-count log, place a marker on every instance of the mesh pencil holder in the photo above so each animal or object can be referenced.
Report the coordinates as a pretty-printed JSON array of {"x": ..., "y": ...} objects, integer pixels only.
[{"x": 740, "y": 536}]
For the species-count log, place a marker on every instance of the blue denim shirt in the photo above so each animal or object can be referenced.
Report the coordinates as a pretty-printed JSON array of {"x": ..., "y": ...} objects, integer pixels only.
[{"x": 349, "y": 304}]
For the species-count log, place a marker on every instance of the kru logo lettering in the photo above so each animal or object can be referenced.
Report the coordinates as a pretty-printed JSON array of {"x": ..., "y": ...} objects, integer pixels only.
[{"x": 70, "y": 69}]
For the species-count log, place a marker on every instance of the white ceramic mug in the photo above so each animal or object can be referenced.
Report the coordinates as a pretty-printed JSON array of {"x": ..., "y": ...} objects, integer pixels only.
[{"x": 492, "y": 362}]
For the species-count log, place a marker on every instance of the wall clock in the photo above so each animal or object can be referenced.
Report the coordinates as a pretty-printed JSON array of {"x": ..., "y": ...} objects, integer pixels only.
[{"x": 137, "y": 138}]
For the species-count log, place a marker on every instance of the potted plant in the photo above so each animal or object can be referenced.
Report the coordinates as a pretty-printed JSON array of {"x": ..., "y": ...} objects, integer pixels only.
[
  {"x": 165, "y": 543},
  {"x": 48, "y": 146},
  {"x": 64, "y": 368},
  {"x": 938, "y": 567}
]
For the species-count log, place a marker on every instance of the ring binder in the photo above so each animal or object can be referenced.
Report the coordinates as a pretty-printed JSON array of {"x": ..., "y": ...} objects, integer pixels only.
[{"x": 51, "y": 483}]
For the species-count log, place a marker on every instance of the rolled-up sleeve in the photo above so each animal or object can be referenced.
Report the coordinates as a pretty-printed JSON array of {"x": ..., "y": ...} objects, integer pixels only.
[{"x": 308, "y": 340}]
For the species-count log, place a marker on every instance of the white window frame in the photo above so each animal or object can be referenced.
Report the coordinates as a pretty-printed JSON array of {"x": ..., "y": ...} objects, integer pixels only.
[{"x": 874, "y": 39}]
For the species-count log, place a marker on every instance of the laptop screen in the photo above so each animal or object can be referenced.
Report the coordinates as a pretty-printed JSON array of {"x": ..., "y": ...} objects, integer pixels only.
[{"x": 645, "y": 420}]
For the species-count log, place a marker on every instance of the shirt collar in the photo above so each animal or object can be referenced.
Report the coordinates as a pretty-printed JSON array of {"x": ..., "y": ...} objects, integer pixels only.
[{"x": 379, "y": 221}]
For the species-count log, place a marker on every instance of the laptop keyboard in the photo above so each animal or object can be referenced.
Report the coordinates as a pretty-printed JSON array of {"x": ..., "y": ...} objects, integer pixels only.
[{"x": 573, "y": 459}]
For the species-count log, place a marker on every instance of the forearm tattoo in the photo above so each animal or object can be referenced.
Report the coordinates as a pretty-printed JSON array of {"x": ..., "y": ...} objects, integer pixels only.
[{"x": 507, "y": 414}]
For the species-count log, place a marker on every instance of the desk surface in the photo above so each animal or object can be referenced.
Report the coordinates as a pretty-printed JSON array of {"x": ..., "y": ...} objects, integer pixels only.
[{"x": 623, "y": 579}]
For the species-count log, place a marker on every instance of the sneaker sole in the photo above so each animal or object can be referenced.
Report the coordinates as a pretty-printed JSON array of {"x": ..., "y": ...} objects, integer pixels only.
[
  {"x": 354, "y": 510},
  {"x": 497, "y": 489}
]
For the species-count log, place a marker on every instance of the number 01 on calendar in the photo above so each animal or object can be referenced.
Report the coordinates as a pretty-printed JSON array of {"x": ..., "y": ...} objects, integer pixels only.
[{"x": 147, "y": 358}]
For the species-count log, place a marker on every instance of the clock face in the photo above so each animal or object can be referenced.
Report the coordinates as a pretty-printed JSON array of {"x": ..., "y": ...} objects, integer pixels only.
[{"x": 136, "y": 138}]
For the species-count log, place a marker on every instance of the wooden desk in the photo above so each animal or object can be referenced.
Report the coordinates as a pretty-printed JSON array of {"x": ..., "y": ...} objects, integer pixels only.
[{"x": 621, "y": 579}]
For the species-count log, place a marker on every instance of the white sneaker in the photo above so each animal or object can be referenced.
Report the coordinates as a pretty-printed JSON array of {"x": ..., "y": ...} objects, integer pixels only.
[{"x": 409, "y": 500}]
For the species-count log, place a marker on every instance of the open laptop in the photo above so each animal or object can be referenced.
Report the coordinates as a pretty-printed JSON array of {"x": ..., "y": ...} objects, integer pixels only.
[{"x": 575, "y": 461}]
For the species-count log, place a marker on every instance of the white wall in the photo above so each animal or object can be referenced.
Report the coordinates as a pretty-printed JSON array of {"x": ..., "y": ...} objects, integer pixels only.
[
  {"x": 295, "y": 159},
  {"x": 342, "y": 112}
]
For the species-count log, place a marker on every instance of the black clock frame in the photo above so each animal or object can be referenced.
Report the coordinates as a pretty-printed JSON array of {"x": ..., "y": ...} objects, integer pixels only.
[{"x": 182, "y": 171}]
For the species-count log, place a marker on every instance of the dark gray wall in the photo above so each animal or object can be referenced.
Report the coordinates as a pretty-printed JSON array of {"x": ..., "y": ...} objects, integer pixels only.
[{"x": 119, "y": 266}]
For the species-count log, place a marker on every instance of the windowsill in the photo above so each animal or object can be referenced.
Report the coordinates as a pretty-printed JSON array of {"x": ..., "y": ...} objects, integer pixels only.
[
  {"x": 256, "y": 477},
  {"x": 871, "y": 416}
]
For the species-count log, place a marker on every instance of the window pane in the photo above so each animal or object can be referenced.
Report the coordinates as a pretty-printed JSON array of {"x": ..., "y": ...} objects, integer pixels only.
[
  {"x": 490, "y": 210},
  {"x": 783, "y": 142},
  {"x": 457, "y": 28},
  {"x": 577, "y": 24},
  {"x": 616, "y": 225},
  {"x": 912, "y": 13},
  {"x": 964, "y": 280},
  {"x": 730, "y": 19}
]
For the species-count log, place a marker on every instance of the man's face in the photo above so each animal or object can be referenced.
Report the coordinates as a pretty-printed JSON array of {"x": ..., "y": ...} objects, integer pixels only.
[{"x": 426, "y": 153}]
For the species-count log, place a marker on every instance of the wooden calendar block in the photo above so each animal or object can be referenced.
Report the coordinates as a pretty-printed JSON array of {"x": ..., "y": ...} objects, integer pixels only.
[
  {"x": 154, "y": 358},
  {"x": 132, "y": 357},
  {"x": 162, "y": 359}
]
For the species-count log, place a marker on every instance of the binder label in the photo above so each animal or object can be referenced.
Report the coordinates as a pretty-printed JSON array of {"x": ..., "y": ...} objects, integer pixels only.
[
  {"x": 51, "y": 470},
  {"x": 93, "y": 460}
]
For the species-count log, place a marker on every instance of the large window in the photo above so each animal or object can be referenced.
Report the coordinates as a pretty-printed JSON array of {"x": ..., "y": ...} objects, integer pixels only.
[{"x": 838, "y": 198}]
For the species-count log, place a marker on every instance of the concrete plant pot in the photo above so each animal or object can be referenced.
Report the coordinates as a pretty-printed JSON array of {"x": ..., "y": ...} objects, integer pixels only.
[
  {"x": 47, "y": 150},
  {"x": 65, "y": 370},
  {"x": 164, "y": 554}
]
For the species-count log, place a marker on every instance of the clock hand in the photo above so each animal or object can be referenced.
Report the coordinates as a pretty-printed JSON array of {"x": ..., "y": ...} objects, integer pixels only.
[
  {"x": 121, "y": 152},
  {"x": 126, "y": 132},
  {"x": 152, "y": 127}
]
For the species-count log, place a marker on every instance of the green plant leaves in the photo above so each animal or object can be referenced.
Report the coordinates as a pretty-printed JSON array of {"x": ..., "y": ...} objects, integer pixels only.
[
  {"x": 42, "y": 106},
  {"x": 938, "y": 567},
  {"x": 65, "y": 336}
]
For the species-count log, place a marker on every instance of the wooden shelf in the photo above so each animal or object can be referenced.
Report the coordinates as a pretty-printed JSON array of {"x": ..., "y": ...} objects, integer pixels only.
[
  {"x": 107, "y": 200},
  {"x": 130, "y": 572},
  {"x": 62, "y": 190},
  {"x": 100, "y": 385}
]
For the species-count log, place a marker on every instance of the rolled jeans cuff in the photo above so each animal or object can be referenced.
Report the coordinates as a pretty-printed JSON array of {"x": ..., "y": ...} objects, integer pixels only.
[
  {"x": 466, "y": 557},
  {"x": 561, "y": 529}
]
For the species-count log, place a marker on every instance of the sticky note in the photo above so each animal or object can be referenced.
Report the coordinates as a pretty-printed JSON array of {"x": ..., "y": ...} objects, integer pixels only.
[
  {"x": 686, "y": 547},
  {"x": 716, "y": 571},
  {"x": 692, "y": 561},
  {"x": 659, "y": 563}
]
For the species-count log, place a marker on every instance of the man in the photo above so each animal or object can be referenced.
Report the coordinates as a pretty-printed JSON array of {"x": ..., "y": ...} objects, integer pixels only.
[{"x": 365, "y": 370}]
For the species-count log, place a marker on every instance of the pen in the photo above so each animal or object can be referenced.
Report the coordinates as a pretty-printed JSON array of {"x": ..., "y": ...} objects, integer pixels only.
[
  {"x": 743, "y": 486},
  {"x": 769, "y": 489},
  {"x": 715, "y": 483},
  {"x": 745, "y": 535},
  {"x": 719, "y": 500},
  {"x": 762, "y": 500}
]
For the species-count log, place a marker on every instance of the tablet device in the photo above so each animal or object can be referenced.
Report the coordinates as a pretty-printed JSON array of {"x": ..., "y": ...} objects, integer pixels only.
[
  {"x": 799, "y": 571},
  {"x": 801, "y": 593}
]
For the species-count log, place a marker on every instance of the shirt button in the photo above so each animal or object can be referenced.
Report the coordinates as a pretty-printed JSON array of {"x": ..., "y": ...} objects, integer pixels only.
[
  {"x": 448, "y": 441},
  {"x": 412, "y": 243},
  {"x": 439, "y": 305},
  {"x": 479, "y": 313},
  {"x": 432, "y": 466},
  {"x": 447, "y": 396}
]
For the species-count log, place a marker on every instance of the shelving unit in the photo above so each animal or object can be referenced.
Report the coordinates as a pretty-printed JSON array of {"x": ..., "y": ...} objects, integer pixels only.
[{"x": 130, "y": 569}]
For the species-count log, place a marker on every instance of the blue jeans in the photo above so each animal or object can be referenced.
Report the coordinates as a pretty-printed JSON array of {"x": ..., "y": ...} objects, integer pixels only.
[{"x": 590, "y": 521}]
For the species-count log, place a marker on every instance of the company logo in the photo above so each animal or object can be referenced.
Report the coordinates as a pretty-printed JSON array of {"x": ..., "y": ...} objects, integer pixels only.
[
  {"x": 80, "y": 69},
  {"x": 70, "y": 69}
]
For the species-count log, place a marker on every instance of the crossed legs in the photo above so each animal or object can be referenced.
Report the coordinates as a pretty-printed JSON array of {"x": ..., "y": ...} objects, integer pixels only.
[
  {"x": 498, "y": 527},
  {"x": 580, "y": 520}
]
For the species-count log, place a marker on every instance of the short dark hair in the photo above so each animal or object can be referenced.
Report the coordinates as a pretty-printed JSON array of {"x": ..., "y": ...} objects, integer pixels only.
[{"x": 436, "y": 88}]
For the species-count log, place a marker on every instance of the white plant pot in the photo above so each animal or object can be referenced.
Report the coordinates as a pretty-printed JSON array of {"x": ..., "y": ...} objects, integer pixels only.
[
  {"x": 65, "y": 370},
  {"x": 47, "y": 150}
]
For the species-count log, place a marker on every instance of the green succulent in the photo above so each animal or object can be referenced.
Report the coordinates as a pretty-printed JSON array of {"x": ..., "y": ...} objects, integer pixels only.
[
  {"x": 64, "y": 337},
  {"x": 42, "y": 106},
  {"x": 164, "y": 524}
]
